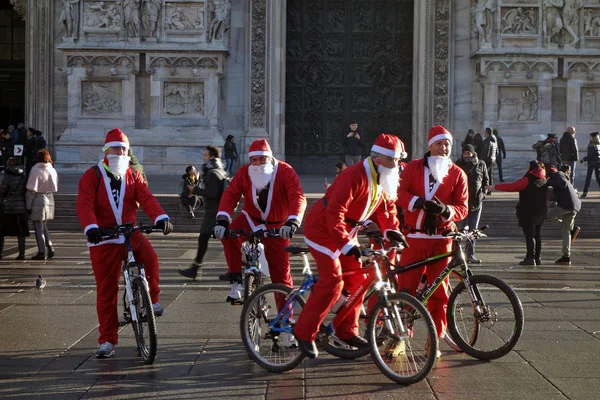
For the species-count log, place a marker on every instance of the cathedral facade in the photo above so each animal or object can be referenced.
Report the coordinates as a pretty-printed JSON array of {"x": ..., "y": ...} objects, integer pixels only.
[{"x": 178, "y": 75}]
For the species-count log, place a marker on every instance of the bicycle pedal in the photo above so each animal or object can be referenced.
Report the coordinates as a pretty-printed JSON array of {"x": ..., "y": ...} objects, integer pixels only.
[{"x": 123, "y": 323}]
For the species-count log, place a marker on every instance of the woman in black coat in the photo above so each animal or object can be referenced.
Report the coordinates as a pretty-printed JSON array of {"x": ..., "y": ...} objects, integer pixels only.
[
  {"x": 593, "y": 160},
  {"x": 14, "y": 214},
  {"x": 190, "y": 200},
  {"x": 531, "y": 208}
]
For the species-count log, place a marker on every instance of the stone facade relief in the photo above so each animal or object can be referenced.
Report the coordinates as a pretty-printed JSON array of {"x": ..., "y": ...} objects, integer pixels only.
[
  {"x": 99, "y": 15},
  {"x": 258, "y": 59},
  {"x": 150, "y": 14},
  {"x": 589, "y": 103},
  {"x": 131, "y": 18},
  {"x": 185, "y": 16},
  {"x": 20, "y": 7},
  {"x": 591, "y": 22},
  {"x": 517, "y": 103},
  {"x": 69, "y": 17},
  {"x": 561, "y": 21},
  {"x": 519, "y": 21},
  {"x": 484, "y": 21},
  {"x": 219, "y": 19},
  {"x": 183, "y": 99},
  {"x": 101, "y": 99}
]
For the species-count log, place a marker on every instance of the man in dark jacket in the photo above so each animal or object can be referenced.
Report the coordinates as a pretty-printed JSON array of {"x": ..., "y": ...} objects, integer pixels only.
[
  {"x": 211, "y": 189},
  {"x": 500, "y": 155},
  {"x": 568, "y": 151},
  {"x": 548, "y": 151},
  {"x": 567, "y": 207},
  {"x": 354, "y": 145},
  {"x": 477, "y": 176},
  {"x": 490, "y": 150}
]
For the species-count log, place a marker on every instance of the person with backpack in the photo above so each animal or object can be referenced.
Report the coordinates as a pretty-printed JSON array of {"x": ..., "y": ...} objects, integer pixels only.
[
  {"x": 548, "y": 151},
  {"x": 214, "y": 182},
  {"x": 490, "y": 151},
  {"x": 569, "y": 152}
]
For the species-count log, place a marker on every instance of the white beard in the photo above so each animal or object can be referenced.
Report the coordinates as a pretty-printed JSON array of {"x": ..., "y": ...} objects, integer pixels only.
[
  {"x": 117, "y": 164},
  {"x": 439, "y": 167},
  {"x": 389, "y": 179},
  {"x": 260, "y": 175}
]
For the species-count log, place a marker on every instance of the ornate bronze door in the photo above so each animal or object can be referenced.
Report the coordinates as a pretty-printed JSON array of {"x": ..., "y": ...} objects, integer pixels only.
[{"x": 346, "y": 60}]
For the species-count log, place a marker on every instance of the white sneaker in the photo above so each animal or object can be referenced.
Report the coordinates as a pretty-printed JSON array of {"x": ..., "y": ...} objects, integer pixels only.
[
  {"x": 158, "y": 310},
  {"x": 235, "y": 294},
  {"x": 106, "y": 350},
  {"x": 288, "y": 340}
]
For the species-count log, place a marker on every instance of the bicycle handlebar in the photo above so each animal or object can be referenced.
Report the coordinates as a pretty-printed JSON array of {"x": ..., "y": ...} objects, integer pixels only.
[
  {"x": 235, "y": 233},
  {"x": 466, "y": 234},
  {"x": 127, "y": 230}
]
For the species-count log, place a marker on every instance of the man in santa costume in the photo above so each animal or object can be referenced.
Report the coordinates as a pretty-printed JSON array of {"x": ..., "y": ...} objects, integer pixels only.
[
  {"x": 434, "y": 194},
  {"x": 273, "y": 198},
  {"x": 362, "y": 193},
  {"x": 109, "y": 194}
]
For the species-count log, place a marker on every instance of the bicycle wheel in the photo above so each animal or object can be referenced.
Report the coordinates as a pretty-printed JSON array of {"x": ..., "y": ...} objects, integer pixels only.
[
  {"x": 251, "y": 284},
  {"x": 145, "y": 326},
  {"x": 491, "y": 328},
  {"x": 273, "y": 350},
  {"x": 402, "y": 338}
]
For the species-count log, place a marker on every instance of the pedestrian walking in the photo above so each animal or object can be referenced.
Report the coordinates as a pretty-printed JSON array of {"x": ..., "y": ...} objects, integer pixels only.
[
  {"x": 548, "y": 151},
  {"x": 490, "y": 151},
  {"x": 531, "y": 208},
  {"x": 501, "y": 155},
  {"x": 230, "y": 154},
  {"x": 569, "y": 153},
  {"x": 211, "y": 190},
  {"x": 477, "y": 177},
  {"x": 469, "y": 138},
  {"x": 478, "y": 143},
  {"x": 12, "y": 199},
  {"x": 42, "y": 183},
  {"x": 354, "y": 145},
  {"x": 593, "y": 162},
  {"x": 566, "y": 209},
  {"x": 28, "y": 150}
]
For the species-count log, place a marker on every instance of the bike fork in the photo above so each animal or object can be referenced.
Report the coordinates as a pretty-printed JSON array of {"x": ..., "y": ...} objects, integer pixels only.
[{"x": 129, "y": 290}]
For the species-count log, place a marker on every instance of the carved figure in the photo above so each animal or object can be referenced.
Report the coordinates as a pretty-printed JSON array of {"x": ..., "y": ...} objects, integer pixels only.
[
  {"x": 571, "y": 18},
  {"x": 220, "y": 20},
  {"x": 175, "y": 19},
  {"x": 200, "y": 18},
  {"x": 483, "y": 20},
  {"x": 69, "y": 16},
  {"x": 528, "y": 105},
  {"x": 518, "y": 21},
  {"x": 553, "y": 22},
  {"x": 199, "y": 103},
  {"x": 131, "y": 15},
  {"x": 101, "y": 99},
  {"x": 150, "y": 13},
  {"x": 100, "y": 17},
  {"x": 591, "y": 24}
]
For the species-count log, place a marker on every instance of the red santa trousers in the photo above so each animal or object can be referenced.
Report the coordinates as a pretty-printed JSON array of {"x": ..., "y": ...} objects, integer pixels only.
[
  {"x": 326, "y": 292},
  {"x": 277, "y": 257},
  {"x": 107, "y": 260},
  {"x": 419, "y": 250}
]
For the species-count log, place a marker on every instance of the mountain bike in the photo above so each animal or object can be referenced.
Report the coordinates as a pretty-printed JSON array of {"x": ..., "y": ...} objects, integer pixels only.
[
  {"x": 252, "y": 249},
  {"x": 402, "y": 337},
  {"x": 137, "y": 304}
]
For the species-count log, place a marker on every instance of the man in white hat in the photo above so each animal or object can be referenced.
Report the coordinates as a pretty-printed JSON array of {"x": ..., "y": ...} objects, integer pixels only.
[{"x": 109, "y": 194}]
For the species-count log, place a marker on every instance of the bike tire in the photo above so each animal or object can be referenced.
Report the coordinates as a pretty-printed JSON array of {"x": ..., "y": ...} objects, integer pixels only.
[
  {"x": 265, "y": 349},
  {"x": 411, "y": 353},
  {"x": 251, "y": 284},
  {"x": 454, "y": 279},
  {"x": 146, "y": 321},
  {"x": 502, "y": 317}
]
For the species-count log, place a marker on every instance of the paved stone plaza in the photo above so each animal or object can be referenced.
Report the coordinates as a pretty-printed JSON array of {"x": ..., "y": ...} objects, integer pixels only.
[{"x": 48, "y": 337}]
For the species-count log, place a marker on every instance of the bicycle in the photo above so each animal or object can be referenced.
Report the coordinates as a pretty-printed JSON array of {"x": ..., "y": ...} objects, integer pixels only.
[
  {"x": 252, "y": 249},
  {"x": 402, "y": 337},
  {"x": 136, "y": 300}
]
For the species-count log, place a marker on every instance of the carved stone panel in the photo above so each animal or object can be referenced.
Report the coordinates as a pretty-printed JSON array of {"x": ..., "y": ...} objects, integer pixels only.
[
  {"x": 590, "y": 104},
  {"x": 517, "y": 103},
  {"x": 101, "y": 99},
  {"x": 102, "y": 15},
  {"x": 519, "y": 21},
  {"x": 258, "y": 56},
  {"x": 183, "y": 99},
  {"x": 440, "y": 73},
  {"x": 346, "y": 60}
]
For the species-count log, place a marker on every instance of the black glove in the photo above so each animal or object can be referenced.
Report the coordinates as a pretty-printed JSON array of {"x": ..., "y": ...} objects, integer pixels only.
[
  {"x": 396, "y": 236},
  {"x": 94, "y": 235},
  {"x": 354, "y": 251},
  {"x": 430, "y": 224},
  {"x": 419, "y": 203},
  {"x": 165, "y": 225},
  {"x": 435, "y": 207}
]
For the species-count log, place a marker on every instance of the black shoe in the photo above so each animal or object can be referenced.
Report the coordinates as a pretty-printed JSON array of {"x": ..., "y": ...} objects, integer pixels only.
[
  {"x": 501, "y": 180},
  {"x": 575, "y": 233},
  {"x": 357, "y": 341},
  {"x": 583, "y": 195},
  {"x": 225, "y": 277},
  {"x": 538, "y": 261},
  {"x": 563, "y": 261},
  {"x": 527, "y": 261},
  {"x": 473, "y": 260},
  {"x": 50, "y": 252},
  {"x": 309, "y": 349},
  {"x": 39, "y": 256},
  {"x": 190, "y": 272},
  {"x": 21, "y": 256}
]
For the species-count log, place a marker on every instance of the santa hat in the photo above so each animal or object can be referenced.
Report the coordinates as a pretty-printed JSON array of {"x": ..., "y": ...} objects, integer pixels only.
[
  {"x": 389, "y": 145},
  {"x": 116, "y": 138},
  {"x": 260, "y": 147},
  {"x": 438, "y": 132}
]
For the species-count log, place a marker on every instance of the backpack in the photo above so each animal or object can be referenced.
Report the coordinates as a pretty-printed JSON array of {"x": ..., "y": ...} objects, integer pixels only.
[{"x": 224, "y": 177}]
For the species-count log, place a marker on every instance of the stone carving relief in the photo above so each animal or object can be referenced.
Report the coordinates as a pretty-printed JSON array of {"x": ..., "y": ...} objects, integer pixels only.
[
  {"x": 517, "y": 103},
  {"x": 440, "y": 82},
  {"x": 131, "y": 17},
  {"x": 561, "y": 21},
  {"x": 123, "y": 64},
  {"x": 150, "y": 14},
  {"x": 519, "y": 20},
  {"x": 510, "y": 68},
  {"x": 172, "y": 63},
  {"x": 183, "y": 99},
  {"x": 185, "y": 16},
  {"x": 101, "y": 99},
  {"x": 219, "y": 19},
  {"x": 20, "y": 7},
  {"x": 258, "y": 56},
  {"x": 69, "y": 17},
  {"x": 591, "y": 22},
  {"x": 98, "y": 14},
  {"x": 589, "y": 103},
  {"x": 484, "y": 17}
]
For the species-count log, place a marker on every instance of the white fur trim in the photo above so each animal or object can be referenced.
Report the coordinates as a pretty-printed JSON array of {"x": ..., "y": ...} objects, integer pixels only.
[
  {"x": 115, "y": 144},
  {"x": 162, "y": 216},
  {"x": 224, "y": 213},
  {"x": 451, "y": 209},
  {"x": 386, "y": 152},
  {"x": 347, "y": 247},
  {"x": 260, "y": 153},
  {"x": 322, "y": 249},
  {"x": 440, "y": 136},
  {"x": 420, "y": 235},
  {"x": 87, "y": 228},
  {"x": 253, "y": 226},
  {"x": 411, "y": 205}
]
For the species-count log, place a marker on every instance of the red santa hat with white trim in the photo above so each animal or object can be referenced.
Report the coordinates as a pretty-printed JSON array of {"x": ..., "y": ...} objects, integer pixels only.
[
  {"x": 438, "y": 132},
  {"x": 259, "y": 148},
  {"x": 389, "y": 145},
  {"x": 116, "y": 138}
]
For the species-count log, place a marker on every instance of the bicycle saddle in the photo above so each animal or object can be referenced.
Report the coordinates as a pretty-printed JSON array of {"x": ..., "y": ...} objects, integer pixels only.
[{"x": 296, "y": 251}]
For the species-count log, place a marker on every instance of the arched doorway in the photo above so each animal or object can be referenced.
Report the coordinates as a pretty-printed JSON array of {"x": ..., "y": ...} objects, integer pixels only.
[{"x": 12, "y": 66}]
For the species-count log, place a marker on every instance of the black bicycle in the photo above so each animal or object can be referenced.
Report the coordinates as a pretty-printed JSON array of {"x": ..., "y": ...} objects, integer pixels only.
[{"x": 137, "y": 304}]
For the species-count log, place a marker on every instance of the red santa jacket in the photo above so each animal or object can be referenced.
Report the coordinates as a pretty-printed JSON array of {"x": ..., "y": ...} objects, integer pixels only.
[
  {"x": 96, "y": 206},
  {"x": 285, "y": 200},
  {"x": 354, "y": 196},
  {"x": 453, "y": 191}
]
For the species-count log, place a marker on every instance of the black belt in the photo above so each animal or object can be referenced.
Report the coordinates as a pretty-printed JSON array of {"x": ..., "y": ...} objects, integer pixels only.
[
  {"x": 349, "y": 221},
  {"x": 262, "y": 221}
]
